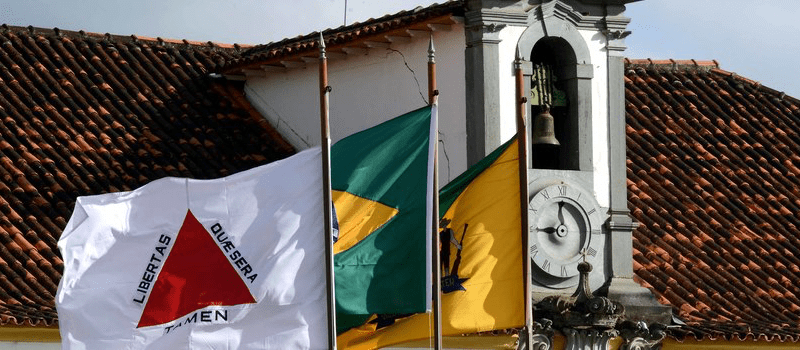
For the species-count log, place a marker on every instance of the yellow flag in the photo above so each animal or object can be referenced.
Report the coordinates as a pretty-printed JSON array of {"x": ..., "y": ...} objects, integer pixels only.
[{"x": 482, "y": 281}]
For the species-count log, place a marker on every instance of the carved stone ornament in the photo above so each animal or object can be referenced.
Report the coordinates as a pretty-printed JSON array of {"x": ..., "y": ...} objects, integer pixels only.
[
  {"x": 542, "y": 338},
  {"x": 588, "y": 322},
  {"x": 588, "y": 339},
  {"x": 638, "y": 336},
  {"x": 581, "y": 310},
  {"x": 487, "y": 28},
  {"x": 616, "y": 34},
  {"x": 481, "y": 33}
]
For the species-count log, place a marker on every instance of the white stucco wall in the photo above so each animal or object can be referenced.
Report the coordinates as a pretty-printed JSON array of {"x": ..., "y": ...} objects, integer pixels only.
[
  {"x": 370, "y": 88},
  {"x": 507, "y": 51},
  {"x": 602, "y": 171}
]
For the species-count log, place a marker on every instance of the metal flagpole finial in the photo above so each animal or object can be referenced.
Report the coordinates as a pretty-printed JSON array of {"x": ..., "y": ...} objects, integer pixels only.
[
  {"x": 431, "y": 50},
  {"x": 517, "y": 59},
  {"x": 321, "y": 46}
]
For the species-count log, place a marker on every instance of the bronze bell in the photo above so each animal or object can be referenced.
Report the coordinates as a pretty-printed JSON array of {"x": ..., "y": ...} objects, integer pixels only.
[{"x": 544, "y": 132}]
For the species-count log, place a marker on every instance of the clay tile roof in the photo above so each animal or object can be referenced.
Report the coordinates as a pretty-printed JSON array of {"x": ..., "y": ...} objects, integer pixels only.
[
  {"x": 390, "y": 25},
  {"x": 713, "y": 164},
  {"x": 85, "y": 113},
  {"x": 713, "y": 177}
]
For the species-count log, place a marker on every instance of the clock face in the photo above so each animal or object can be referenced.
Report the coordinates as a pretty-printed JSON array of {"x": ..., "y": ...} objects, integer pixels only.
[{"x": 564, "y": 230}]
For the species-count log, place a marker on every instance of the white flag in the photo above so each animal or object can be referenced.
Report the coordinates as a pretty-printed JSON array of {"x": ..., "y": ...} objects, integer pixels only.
[{"x": 230, "y": 263}]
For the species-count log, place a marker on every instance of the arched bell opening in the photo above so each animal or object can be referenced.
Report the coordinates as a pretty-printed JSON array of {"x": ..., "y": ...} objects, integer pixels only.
[
  {"x": 558, "y": 45},
  {"x": 554, "y": 106}
]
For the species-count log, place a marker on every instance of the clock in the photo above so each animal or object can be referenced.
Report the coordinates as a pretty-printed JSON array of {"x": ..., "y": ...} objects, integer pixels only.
[{"x": 564, "y": 230}]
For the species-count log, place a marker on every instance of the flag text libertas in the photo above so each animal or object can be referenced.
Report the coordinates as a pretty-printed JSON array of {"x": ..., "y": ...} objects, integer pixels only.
[
  {"x": 232, "y": 253},
  {"x": 150, "y": 272}
]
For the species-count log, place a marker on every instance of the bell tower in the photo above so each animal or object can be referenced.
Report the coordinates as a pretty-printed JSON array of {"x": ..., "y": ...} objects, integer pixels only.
[{"x": 573, "y": 63}]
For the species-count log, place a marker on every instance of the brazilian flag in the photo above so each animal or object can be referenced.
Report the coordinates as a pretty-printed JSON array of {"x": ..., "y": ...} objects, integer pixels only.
[
  {"x": 382, "y": 182},
  {"x": 482, "y": 281}
]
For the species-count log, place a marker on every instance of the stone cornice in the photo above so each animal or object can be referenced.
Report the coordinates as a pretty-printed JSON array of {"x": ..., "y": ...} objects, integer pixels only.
[
  {"x": 567, "y": 13},
  {"x": 620, "y": 221},
  {"x": 483, "y": 33},
  {"x": 485, "y": 16}
]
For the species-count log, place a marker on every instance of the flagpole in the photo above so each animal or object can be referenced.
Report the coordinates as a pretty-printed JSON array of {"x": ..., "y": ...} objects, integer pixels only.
[
  {"x": 436, "y": 277},
  {"x": 522, "y": 143},
  {"x": 431, "y": 71},
  {"x": 325, "y": 139}
]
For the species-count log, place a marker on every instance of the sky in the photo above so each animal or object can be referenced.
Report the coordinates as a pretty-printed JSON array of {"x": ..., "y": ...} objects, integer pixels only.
[{"x": 755, "y": 39}]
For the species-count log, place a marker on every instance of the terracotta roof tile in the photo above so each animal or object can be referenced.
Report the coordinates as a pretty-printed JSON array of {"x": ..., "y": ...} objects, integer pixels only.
[
  {"x": 86, "y": 113},
  {"x": 711, "y": 174},
  {"x": 712, "y": 163},
  {"x": 393, "y": 24}
]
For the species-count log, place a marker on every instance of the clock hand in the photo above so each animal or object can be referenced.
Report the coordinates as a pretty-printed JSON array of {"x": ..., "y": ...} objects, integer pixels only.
[
  {"x": 562, "y": 229},
  {"x": 548, "y": 230}
]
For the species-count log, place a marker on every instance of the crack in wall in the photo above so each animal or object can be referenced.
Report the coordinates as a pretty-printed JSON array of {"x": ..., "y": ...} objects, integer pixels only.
[
  {"x": 425, "y": 101},
  {"x": 444, "y": 150},
  {"x": 413, "y": 74},
  {"x": 265, "y": 109},
  {"x": 274, "y": 113}
]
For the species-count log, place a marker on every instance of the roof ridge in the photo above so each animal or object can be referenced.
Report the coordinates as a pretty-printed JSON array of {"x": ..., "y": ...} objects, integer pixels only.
[
  {"x": 348, "y": 33},
  {"x": 355, "y": 26},
  {"x": 673, "y": 63},
  {"x": 755, "y": 83},
  {"x": 133, "y": 38},
  {"x": 711, "y": 66}
]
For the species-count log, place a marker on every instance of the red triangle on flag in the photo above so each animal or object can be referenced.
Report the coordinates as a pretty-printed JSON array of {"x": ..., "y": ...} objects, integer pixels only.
[{"x": 196, "y": 274}]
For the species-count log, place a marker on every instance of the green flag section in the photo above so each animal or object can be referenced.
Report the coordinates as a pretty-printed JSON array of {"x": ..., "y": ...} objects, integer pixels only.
[
  {"x": 382, "y": 190},
  {"x": 482, "y": 281}
]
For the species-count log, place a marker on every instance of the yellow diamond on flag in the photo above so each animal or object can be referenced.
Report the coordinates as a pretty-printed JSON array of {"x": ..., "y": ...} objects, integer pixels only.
[{"x": 358, "y": 218}]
